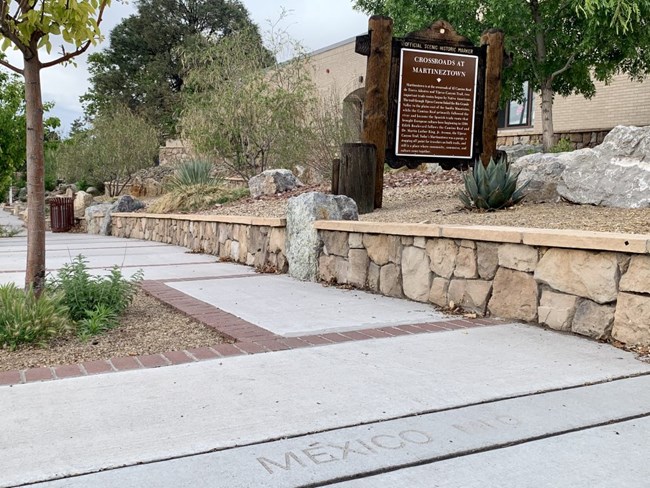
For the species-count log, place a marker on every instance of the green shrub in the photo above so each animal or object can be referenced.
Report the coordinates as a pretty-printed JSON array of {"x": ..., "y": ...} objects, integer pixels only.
[
  {"x": 9, "y": 231},
  {"x": 563, "y": 145},
  {"x": 193, "y": 173},
  {"x": 491, "y": 188},
  {"x": 25, "y": 319},
  {"x": 94, "y": 302}
]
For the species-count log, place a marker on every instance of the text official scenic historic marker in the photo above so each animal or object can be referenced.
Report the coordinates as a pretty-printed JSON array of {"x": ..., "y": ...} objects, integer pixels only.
[{"x": 436, "y": 107}]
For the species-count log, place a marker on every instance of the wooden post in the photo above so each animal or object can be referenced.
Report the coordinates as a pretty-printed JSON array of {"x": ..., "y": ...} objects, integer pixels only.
[
  {"x": 336, "y": 169},
  {"x": 493, "y": 38},
  {"x": 375, "y": 110},
  {"x": 357, "y": 174}
]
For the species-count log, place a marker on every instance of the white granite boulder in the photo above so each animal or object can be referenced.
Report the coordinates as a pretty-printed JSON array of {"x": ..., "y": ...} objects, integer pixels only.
[
  {"x": 82, "y": 201},
  {"x": 303, "y": 242},
  {"x": 272, "y": 181},
  {"x": 614, "y": 174}
]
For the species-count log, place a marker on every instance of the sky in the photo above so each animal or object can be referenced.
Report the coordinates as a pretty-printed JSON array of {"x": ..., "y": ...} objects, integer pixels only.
[{"x": 315, "y": 23}]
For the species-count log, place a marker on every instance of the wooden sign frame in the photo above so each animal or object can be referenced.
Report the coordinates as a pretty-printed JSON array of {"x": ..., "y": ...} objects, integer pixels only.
[{"x": 440, "y": 39}]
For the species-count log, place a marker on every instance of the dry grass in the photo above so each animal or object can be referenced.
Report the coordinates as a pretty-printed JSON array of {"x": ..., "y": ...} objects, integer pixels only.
[{"x": 195, "y": 198}]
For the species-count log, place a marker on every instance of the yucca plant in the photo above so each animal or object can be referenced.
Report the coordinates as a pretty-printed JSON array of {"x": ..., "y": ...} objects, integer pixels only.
[
  {"x": 192, "y": 173},
  {"x": 492, "y": 187}
]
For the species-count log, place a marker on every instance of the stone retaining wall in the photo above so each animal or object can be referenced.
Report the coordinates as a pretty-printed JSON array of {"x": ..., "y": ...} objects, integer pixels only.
[
  {"x": 593, "y": 284},
  {"x": 252, "y": 241}
]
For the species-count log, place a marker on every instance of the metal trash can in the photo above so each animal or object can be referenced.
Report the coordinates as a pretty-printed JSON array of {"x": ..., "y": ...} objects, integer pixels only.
[{"x": 62, "y": 214}]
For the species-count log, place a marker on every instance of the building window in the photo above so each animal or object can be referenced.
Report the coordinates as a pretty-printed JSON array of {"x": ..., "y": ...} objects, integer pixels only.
[{"x": 518, "y": 114}]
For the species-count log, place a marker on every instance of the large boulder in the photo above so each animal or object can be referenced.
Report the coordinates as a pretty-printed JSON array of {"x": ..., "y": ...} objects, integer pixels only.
[
  {"x": 98, "y": 219},
  {"x": 614, "y": 174},
  {"x": 303, "y": 243},
  {"x": 544, "y": 171},
  {"x": 517, "y": 151},
  {"x": 272, "y": 181},
  {"x": 102, "y": 226},
  {"x": 82, "y": 201}
]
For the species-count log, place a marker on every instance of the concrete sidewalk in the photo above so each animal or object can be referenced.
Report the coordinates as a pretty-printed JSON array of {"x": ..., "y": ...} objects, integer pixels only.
[{"x": 506, "y": 405}]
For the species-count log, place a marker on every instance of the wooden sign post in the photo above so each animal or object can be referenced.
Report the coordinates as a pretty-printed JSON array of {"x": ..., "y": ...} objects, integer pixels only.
[
  {"x": 431, "y": 97},
  {"x": 375, "y": 108}
]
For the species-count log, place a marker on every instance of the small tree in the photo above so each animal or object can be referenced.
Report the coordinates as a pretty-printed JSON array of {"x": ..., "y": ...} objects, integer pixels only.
[
  {"x": 117, "y": 145},
  {"x": 30, "y": 27},
  {"x": 243, "y": 108},
  {"x": 12, "y": 128}
]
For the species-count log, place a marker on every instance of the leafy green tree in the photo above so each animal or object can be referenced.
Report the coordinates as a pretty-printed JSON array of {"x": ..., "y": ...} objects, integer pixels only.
[
  {"x": 558, "y": 46},
  {"x": 117, "y": 145},
  {"x": 141, "y": 68},
  {"x": 243, "y": 112},
  {"x": 12, "y": 128},
  {"x": 31, "y": 26}
]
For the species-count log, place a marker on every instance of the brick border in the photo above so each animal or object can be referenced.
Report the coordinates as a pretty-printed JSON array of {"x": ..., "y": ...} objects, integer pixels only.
[{"x": 250, "y": 339}]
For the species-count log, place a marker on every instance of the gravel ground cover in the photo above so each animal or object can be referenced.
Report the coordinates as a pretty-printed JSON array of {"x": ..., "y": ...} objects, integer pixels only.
[
  {"x": 148, "y": 327},
  {"x": 419, "y": 196}
]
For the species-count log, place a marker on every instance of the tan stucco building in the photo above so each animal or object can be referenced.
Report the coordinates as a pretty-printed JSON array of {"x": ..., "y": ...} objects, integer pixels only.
[{"x": 338, "y": 70}]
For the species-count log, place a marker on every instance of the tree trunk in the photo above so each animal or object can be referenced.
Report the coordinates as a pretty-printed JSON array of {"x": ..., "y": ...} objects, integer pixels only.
[
  {"x": 35, "y": 276},
  {"x": 547, "y": 115}
]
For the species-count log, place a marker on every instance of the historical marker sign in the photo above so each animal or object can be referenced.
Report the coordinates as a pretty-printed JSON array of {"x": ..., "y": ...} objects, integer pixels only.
[{"x": 436, "y": 104}]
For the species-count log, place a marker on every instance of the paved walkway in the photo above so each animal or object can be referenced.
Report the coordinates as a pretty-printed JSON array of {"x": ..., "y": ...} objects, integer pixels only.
[{"x": 410, "y": 398}]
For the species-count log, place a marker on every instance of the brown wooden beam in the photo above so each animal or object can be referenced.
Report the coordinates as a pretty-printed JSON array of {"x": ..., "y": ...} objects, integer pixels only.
[
  {"x": 375, "y": 112},
  {"x": 493, "y": 38}
]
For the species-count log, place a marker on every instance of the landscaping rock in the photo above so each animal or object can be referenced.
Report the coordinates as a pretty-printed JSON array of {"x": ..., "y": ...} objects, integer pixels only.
[
  {"x": 517, "y": 151},
  {"x": 593, "y": 320},
  {"x": 126, "y": 203},
  {"x": 637, "y": 278},
  {"x": 631, "y": 324},
  {"x": 82, "y": 201},
  {"x": 514, "y": 295},
  {"x": 586, "y": 274},
  {"x": 416, "y": 277},
  {"x": 95, "y": 225},
  {"x": 358, "y": 267},
  {"x": 383, "y": 249},
  {"x": 466, "y": 266},
  {"x": 390, "y": 283},
  {"x": 487, "y": 255},
  {"x": 442, "y": 255},
  {"x": 303, "y": 243},
  {"x": 557, "y": 310},
  {"x": 272, "y": 181},
  {"x": 22, "y": 195},
  {"x": 544, "y": 171},
  {"x": 518, "y": 257},
  {"x": 614, "y": 174},
  {"x": 93, "y": 191},
  {"x": 439, "y": 292}
]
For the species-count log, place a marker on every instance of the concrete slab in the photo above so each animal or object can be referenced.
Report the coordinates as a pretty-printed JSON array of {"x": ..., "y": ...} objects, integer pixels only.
[
  {"x": 289, "y": 307},
  {"x": 9, "y": 220},
  {"x": 121, "y": 419},
  {"x": 610, "y": 456},
  {"x": 363, "y": 450}
]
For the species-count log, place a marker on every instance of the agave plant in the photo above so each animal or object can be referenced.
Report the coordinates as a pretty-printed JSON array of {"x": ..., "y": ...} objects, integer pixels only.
[{"x": 492, "y": 187}]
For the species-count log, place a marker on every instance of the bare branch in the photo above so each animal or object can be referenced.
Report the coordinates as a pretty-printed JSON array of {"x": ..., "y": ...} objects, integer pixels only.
[
  {"x": 11, "y": 67},
  {"x": 568, "y": 64}
]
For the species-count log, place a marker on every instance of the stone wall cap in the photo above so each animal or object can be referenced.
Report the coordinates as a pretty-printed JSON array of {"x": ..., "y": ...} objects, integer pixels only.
[
  {"x": 227, "y": 219},
  {"x": 563, "y": 238}
]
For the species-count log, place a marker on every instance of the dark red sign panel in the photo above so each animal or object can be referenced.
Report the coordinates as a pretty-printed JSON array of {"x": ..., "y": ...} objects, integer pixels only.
[{"x": 436, "y": 110}]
